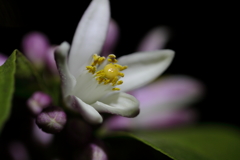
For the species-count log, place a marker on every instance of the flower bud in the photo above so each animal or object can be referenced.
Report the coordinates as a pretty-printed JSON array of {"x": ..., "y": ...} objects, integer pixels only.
[
  {"x": 18, "y": 151},
  {"x": 93, "y": 152},
  {"x": 52, "y": 120},
  {"x": 38, "y": 101},
  {"x": 35, "y": 46},
  {"x": 155, "y": 39},
  {"x": 2, "y": 59},
  {"x": 111, "y": 38},
  {"x": 40, "y": 137}
]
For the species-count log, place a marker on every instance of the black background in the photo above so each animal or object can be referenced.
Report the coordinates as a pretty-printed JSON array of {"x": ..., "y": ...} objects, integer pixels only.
[{"x": 199, "y": 36}]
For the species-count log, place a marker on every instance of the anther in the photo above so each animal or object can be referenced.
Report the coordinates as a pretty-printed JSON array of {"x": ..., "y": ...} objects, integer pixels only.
[
  {"x": 110, "y": 74},
  {"x": 119, "y": 82},
  {"x": 111, "y": 56},
  {"x": 121, "y": 74}
]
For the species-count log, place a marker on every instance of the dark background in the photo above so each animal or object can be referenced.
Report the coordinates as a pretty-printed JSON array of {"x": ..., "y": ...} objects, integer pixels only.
[{"x": 198, "y": 39}]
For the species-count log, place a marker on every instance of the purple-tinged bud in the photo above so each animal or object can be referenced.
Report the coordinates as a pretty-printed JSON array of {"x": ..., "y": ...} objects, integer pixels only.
[
  {"x": 40, "y": 137},
  {"x": 155, "y": 39},
  {"x": 111, "y": 38},
  {"x": 35, "y": 46},
  {"x": 52, "y": 120},
  {"x": 2, "y": 59},
  {"x": 18, "y": 151},
  {"x": 93, "y": 152},
  {"x": 38, "y": 101}
]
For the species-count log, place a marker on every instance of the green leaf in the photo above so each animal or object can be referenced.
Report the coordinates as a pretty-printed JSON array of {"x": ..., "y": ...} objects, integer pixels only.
[
  {"x": 7, "y": 71},
  {"x": 28, "y": 79},
  {"x": 206, "y": 142},
  {"x": 16, "y": 66}
]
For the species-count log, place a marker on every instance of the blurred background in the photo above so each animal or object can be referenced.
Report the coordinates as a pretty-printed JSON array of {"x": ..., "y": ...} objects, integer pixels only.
[{"x": 195, "y": 38}]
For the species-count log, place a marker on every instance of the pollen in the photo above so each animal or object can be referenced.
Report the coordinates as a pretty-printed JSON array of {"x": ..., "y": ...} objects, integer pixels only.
[{"x": 110, "y": 71}]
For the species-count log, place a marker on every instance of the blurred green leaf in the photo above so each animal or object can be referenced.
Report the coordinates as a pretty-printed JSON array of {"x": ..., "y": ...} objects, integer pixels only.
[
  {"x": 28, "y": 81},
  {"x": 206, "y": 142},
  {"x": 7, "y": 71}
]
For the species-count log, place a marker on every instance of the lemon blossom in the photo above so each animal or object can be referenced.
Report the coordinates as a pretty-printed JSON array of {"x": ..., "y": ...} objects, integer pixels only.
[
  {"x": 92, "y": 84},
  {"x": 164, "y": 102}
]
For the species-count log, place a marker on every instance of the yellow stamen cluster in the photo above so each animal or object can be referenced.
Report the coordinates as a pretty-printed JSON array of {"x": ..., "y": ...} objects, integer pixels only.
[
  {"x": 110, "y": 73},
  {"x": 97, "y": 60}
]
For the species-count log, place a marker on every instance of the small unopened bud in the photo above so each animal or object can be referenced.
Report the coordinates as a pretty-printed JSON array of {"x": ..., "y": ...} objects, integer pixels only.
[
  {"x": 92, "y": 152},
  {"x": 40, "y": 137},
  {"x": 2, "y": 59},
  {"x": 18, "y": 151},
  {"x": 111, "y": 38},
  {"x": 52, "y": 120},
  {"x": 38, "y": 101},
  {"x": 35, "y": 46}
]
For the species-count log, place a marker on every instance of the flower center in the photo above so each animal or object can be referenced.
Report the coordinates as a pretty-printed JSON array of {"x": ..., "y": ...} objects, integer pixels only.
[
  {"x": 111, "y": 71},
  {"x": 106, "y": 71}
]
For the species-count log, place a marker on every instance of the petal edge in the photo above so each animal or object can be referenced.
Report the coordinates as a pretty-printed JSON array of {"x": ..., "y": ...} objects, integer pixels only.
[
  {"x": 144, "y": 67},
  {"x": 67, "y": 79},
  {"x": 119, "y": 103},
  {"x": 89, "y": 36}
]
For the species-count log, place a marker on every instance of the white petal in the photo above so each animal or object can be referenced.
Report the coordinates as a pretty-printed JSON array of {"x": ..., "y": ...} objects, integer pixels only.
[
  {"x": 87, "y": 111},
  {"x": 143, "y": 67},
  {"x": 119, "y": 103},
  {"x": 67, "y": 79},
  {"x": 89, "y": 36}
]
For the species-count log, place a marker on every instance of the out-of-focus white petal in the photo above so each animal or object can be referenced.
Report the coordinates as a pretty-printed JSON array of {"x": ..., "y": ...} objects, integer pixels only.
[
  {"x": 155, "y": 39},
  {"x": 68, "y": 80},
  {"x": 89, "y": 36},
  {"x": 119, "y": 103},
  {"x": 157, "y": 120},
  {"x": 50, "y": 61},
  {"x": 86, "y": 110},
  {"x": 144, "y": 67},
  {"x": 168, "y": 93}
]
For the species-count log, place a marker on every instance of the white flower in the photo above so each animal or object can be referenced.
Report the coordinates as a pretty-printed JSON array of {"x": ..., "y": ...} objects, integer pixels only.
[{"x": 89, "y": 81}]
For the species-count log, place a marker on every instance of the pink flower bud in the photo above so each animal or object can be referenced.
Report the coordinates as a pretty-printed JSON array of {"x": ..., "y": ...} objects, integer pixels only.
[
  {"x": 155, "y": 39},
  {"x": 18, "y": 151},
  {"x": 35, "y": 46},
  {"x": 93, "y": 152},
  {"x": 38, "y": 101},
  {"x": 52, "y": 120},
  {"x": 40, "y": 137},
  {"x": 111, "y": 38},
  {"x": 2, "y": 59}
]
